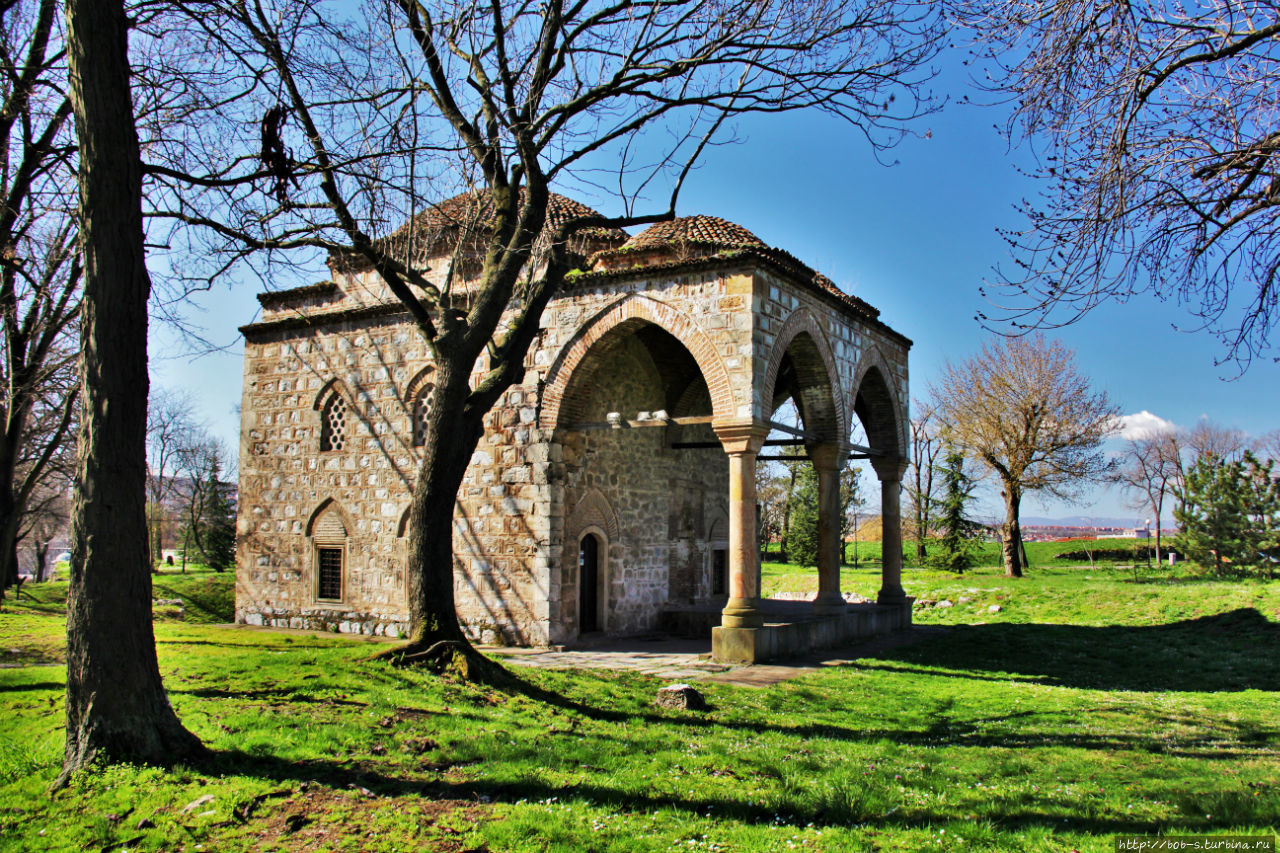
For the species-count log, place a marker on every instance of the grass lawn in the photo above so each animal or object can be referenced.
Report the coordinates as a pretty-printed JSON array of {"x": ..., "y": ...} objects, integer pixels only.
[{"x": 1085, "y": 706}]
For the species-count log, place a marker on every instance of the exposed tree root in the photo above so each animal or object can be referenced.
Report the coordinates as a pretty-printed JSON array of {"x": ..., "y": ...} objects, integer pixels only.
[{"x": 451, "y": 657}]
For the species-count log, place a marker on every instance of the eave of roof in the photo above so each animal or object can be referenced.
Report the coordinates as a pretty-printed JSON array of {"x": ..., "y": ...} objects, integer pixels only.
[
  {"x": 275, "y": 298},
  {"x": 779, "y": 260}
]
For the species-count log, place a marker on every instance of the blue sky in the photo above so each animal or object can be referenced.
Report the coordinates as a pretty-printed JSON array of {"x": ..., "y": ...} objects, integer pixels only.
[{"x": 915, "y": 239}]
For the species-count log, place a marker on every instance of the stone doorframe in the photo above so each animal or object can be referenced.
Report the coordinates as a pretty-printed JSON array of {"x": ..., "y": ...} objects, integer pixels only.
[{"x": 591, "y": 515}]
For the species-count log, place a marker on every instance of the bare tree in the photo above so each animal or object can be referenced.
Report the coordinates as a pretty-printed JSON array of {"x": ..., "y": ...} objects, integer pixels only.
[
  {"x": 926, "y": 447},
  {"x": 1267, "y": 446},
  {"x": 176, "y": 442},
  {"x": 1147, "y": 472},
  {"x": 1154, "y": 124},
  {"x": 1220, "y": 443},
  {"x": 39, "y": 265},
  {"x": 359, "y": 128},
  {"x": 852, "y": 503},
  {"x": 116, "y": 704},
  {"x": 47, "y": 516},
  {"x": 199, "y": 470},
  {"x": 1022, "y": 409}
]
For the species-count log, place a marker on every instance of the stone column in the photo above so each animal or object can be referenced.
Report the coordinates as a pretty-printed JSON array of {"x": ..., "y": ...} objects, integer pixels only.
[
  {"x": 890, "y": 472},
  {"x": 826, "y": 461},
  {"x": 742, "y": 442}
]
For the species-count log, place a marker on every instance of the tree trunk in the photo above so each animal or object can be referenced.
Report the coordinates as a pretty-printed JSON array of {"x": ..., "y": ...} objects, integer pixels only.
[
  {"x": 42, "y": 559},
  {"x": 1011, "y": 534},
  {"x": 1159, "y": 509},
  {"x": 116, "y": 704},
  {"x": 454, "y": 428},
  {"x": 9, "y": 522},
  {"x": 786, "y": 515}
]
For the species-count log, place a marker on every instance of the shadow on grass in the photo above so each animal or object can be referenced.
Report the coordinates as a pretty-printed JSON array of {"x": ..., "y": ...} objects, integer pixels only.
[
  {"x": 842, "y": 806},
  {"x": 33, "y": 685},
  {"x": 1237, "y": 650}
]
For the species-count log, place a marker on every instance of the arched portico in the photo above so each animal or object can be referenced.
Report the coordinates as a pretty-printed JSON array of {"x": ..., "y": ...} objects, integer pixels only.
[
  {"x": 802, "y": 369},
  {"x": 609, "y": 327},
  {"x": 632, "y": 422},
  {"x": 884, "y": 418}
]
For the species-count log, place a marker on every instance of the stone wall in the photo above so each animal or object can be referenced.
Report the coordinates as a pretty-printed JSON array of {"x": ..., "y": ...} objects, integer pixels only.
[{"x": 538, "y": 479}]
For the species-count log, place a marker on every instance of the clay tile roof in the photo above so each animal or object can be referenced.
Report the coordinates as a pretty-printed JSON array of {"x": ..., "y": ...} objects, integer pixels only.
[
  {"x": 704, "y": 230},
  {"x": 476, "y": 209}
]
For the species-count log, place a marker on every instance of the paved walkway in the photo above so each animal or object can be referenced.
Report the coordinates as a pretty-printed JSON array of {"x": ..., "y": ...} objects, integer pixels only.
[{"x": 689, "y": 660}]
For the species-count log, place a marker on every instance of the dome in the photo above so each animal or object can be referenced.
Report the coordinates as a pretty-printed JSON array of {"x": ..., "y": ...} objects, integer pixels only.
[
  {"x": 709, "y": 231},
  {"x": 435, "y": 232},
  {"x": 476, "y": 209}
]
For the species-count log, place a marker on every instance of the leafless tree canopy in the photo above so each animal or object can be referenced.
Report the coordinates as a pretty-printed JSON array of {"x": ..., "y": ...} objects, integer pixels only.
[
  {"x": 922, "y": 490},
  {"x": 1155, "y": 126},
  {"x": 1022, "y": 409},
  {"x": 1149, "y": 470},
  {"x": 39, "y": 265}
]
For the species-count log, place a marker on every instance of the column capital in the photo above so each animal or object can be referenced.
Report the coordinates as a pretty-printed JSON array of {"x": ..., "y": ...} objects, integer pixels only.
[
  {"x": 826, "y": 457},
  {"x": 889, "y": 467},
  {"x": 741, "y": 436}
]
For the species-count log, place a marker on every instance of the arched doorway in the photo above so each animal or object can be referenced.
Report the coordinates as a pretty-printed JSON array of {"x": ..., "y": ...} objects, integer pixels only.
[
  {"x": 635, "y": 434},
  {"x": 589, "y": 584}
]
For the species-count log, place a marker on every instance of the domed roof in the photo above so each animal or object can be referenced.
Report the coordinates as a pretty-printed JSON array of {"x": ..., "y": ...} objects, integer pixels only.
[
  {"x": 701, "y": 230},
  {"x": 475, "y": 209}
]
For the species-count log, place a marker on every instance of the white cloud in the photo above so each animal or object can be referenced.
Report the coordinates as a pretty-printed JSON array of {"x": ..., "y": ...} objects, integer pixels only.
[{"x": 1142, "y": 425}]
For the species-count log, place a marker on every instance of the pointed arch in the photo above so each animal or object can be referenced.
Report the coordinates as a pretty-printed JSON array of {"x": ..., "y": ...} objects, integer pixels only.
[
  {"x": 592, "y": 510},
  {"x": 421, "y": 379},
  {"x": 327, "y": 506},
  {"x": 417, "y": 401},
  {"x": 634, "y": 309},
  {"x": 327, "y": 390},
  {"x": 878, "y": 405},
  {"x": 802, "y": 338},
  {"x": 329, "y": 528},
  {"x": 332, "y": 402}
]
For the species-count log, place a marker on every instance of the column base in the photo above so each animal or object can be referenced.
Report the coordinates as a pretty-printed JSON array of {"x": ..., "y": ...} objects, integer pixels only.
[
  {"x": 829, "y": 604},
  {"x": 741, "y": 613},
  {"x": 737, "y": 645},
  {"x": 891, "y": 595}
]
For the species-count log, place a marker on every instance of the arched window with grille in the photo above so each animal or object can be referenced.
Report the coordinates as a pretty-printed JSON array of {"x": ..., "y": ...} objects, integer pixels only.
[
  {"x": 333, "y": 423},
  {"x": 329, "y": 540},
  {"x": 417, "y": 400},
  {"x": 421, "y": 411}
]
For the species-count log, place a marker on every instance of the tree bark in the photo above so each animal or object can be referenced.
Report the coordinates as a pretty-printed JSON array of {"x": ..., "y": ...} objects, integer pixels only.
[
  {"x": 1011, "y": 535},
  {"x": 454, "y": 428},
  {"x": 116, "y": 704},
  {"x": 10, "y": 516}
]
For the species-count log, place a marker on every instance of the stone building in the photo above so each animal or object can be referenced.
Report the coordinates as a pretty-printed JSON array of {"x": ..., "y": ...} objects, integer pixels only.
[{"x": 613, "y": 492}]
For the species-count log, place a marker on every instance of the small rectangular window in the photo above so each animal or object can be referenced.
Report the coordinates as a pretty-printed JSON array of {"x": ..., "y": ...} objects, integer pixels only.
[
  {"x": 719, "y": 571},
  {"x": 329, "y": 567}
]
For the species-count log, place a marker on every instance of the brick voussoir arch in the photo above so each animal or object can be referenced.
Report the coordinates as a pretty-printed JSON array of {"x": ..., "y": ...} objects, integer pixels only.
[
  {"x": 414, "y": 385},
  {"x": 592, "y": 510},
  {"x": 803, "y": 321},
  {"x": 872, "y": 357},
  {"x": 328, "y": 389},
  {"x": 633, "y": 307}
]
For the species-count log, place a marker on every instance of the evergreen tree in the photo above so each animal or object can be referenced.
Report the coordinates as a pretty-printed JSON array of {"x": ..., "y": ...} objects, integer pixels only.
[
  {"x": 1230, "y": 514},
  {"x": 957, "y": 549},
  {"x": 1262, "y": 508},
  {"x": 220, "y": 533},
  {"x": 802, "y": 538},
  {"x": 211, "y": 517}
]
